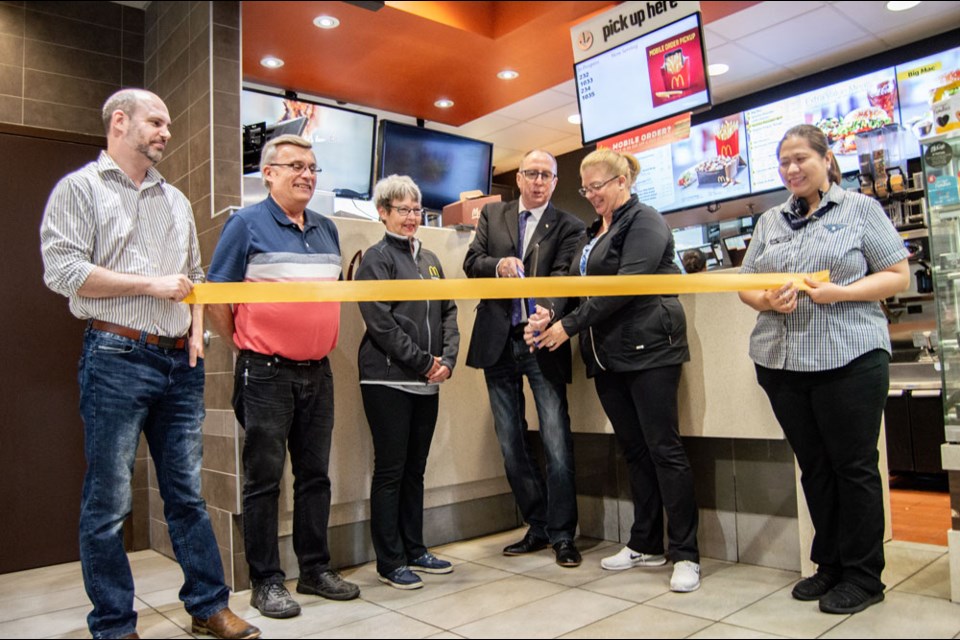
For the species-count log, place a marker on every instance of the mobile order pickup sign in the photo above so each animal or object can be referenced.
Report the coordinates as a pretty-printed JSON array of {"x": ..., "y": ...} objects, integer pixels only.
[{"x": 638, "y": 63}]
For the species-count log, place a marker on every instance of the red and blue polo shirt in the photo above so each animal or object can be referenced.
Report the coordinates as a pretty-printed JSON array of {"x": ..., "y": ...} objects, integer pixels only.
[{"x": 260, "y": 244}]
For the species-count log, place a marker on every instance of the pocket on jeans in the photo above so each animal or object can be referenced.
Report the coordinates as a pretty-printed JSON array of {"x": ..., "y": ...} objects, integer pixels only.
[
  {"x": 117, "y": 347},
  {"x": 255, "y": 369}
]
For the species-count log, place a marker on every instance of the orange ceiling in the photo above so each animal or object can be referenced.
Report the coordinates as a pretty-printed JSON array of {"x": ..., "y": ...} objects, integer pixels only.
[{"x": 407, "y": 55}]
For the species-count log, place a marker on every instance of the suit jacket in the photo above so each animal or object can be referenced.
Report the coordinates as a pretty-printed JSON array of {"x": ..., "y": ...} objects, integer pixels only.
[{"x": 548, "y": 253}]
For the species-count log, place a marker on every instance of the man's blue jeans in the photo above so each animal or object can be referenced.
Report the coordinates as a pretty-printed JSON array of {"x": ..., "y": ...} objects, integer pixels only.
[
  {"x": 126, "y": 387},
  {"x": 549, "y": 507}
]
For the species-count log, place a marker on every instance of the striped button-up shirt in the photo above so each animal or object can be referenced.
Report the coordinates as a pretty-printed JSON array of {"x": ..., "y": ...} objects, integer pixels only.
[
  {"x": 98, "y": 217},
  {"x": 852, "y": 238}
]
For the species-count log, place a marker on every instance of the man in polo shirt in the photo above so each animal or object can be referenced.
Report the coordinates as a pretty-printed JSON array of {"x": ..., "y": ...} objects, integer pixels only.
[{"x": 283, "y": 387}]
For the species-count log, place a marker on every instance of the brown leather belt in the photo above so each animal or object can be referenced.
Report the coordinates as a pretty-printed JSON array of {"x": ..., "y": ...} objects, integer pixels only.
[{"x": 126, "y": 332}]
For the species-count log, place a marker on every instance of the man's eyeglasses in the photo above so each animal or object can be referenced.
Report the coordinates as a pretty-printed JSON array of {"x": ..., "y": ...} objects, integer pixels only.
[
  {"x": 297, "y": 167},
  {"x": 406, "y": 211},
  {"x": 532, "y": 175},
  {"x": 596, "y": 186}
]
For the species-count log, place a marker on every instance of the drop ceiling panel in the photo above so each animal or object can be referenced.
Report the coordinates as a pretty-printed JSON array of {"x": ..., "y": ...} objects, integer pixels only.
[
  {"x": 818, "y": 31},
  {"x": 759, "y": 17}
]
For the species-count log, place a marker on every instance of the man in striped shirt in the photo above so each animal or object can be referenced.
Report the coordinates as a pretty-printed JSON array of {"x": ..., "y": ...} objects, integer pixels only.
[
  {"x": 283, "y": 386},
  {"x": 121, "y": 244}
]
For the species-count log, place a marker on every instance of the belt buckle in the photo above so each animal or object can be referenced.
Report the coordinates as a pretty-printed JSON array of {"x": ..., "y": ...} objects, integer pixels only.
[{"x": 166, "y": 342}]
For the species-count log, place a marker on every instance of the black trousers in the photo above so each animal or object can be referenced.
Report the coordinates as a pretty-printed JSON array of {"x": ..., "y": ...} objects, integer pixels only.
[
  {"x": 285, "y": 406},
  {"x": 832, "y": 420},
  {"x": 402, "y": 426},
  {"x": 642, "y": 407}
]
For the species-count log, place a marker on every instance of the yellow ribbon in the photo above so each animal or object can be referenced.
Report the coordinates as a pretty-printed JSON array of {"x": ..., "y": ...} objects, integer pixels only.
[{"x": 468, "y": 289}]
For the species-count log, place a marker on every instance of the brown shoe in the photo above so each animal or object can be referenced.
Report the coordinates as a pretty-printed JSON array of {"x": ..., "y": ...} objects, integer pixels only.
[
  {"x": 225, "y": 624},
  {"x": 132, "y": 635}
]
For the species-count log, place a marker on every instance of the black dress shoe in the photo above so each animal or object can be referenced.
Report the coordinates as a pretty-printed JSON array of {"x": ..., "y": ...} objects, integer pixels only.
[
  {"x": 816, "y": 586},
  {"x": 529, "y": 544},
  {"x": 567, "y": 554},
  {"x": 847, "y": 597}
]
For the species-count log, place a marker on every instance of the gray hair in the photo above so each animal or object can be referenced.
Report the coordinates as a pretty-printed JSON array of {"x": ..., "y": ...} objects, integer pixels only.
[
  {"x": 269, "y": 152},
  {"x": 126, "y": 100},
  {"x": 394, "y": 187}
]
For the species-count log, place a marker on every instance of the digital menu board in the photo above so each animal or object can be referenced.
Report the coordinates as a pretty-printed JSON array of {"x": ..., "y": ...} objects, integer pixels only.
[
  {"x": 916, "y": 81},
  {"x": 841, "y": 110},
  {"x": 647, "y": 79},
  {"x": 683, "y": 166}
]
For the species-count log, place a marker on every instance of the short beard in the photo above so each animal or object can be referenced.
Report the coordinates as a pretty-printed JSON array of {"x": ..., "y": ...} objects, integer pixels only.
[{"x": 152, "y": 154}]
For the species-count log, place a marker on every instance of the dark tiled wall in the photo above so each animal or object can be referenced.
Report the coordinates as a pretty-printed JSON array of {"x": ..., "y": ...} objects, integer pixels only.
[
  {"x": 192, "y": 61},
  {"x": 60, "y": 60}
]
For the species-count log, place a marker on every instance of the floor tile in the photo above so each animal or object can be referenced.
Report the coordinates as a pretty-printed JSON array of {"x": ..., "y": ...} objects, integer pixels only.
[
  {"x": 779, "y": 613},
  {"x": 721, "y": 631},
  {"x": 727, "y": 591},
  {"x": 465, "y": 576},
  {"x": 387, "y": 625},
  {"x": 588, "y": 571},
  {"x": 318, "y": 617},
  {"x": 546, "y": 618},
  {"x": 642, "y": 622},
  {"x": 156, "y": 625},
  {"x": 162, "y": 600},
  {"x": 45, "y": 580},
  {"x": 904, "y": 559},
  {"x": 636, "y": 585},
  {"x": 482, "y": 547},
  {"x": 519, "y": 564},
  {"x": 933, "y": 580},
  {"x": 495, "y": 596},
  {"x": 56, "y": 623},
  {"x": 480, "y": 602},
  {"x": 14, "y": 608},
  {"x": 902, "y": 615},
  {"x": 156, "y": 574}
]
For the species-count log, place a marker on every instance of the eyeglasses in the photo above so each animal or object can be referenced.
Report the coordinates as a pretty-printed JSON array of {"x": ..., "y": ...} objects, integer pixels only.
[
  {"x": 298, "y": 167},
  {"x": 406, "y": 211},
  {"x": 532, "y": 175},
  {"x": 596, "y": 186}
]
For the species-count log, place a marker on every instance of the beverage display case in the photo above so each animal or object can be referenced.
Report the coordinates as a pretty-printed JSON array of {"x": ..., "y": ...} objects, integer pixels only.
[{"x": 941, "y": 168}]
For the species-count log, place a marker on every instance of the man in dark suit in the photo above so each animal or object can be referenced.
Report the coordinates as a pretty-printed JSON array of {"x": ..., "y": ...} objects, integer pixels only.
[{"x": 528, "y": 237}]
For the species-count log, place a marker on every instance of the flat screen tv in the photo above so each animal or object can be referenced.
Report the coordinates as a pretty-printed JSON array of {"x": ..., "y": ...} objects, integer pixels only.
[
  {"x": 659, "y": 74},
  {"x": 442, "y": 164},
  {"x": 343, "y": 139}
]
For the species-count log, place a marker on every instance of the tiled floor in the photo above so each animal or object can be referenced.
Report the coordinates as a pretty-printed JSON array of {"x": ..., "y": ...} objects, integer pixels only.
[{"x": 491, "y": 596}]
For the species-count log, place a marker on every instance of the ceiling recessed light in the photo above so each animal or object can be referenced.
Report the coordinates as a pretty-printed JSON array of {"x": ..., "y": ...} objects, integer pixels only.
[
  {"x": 717, "y": 69},
  {"x": 508, "y": 74},
  {"x": 326, "y": 22},
  {"x": 894, "y": 5},
  {"x": 271, "y": 62},
  {"x": 443, "y": 103},
  {"x": 574, "y": 119}
]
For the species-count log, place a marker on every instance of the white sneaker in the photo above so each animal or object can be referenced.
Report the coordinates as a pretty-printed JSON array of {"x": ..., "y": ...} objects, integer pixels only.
[
  {"x": 686, "y": 577},
  {"x": 628, "y": 559}
]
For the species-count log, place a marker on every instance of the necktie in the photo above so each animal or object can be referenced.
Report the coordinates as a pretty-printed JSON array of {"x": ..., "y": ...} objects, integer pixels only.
[{"x": 516, "y": 317}]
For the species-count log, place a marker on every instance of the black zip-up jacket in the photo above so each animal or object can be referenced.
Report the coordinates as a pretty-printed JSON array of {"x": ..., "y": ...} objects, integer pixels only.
[
  {"x": 629, "y": 333},
  {"x": 403, "y": 337}
]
